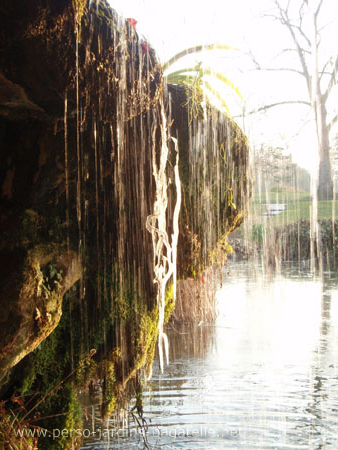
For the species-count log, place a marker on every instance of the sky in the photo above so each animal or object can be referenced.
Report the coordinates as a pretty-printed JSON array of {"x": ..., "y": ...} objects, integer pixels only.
[{"x": 175, "y": 25}]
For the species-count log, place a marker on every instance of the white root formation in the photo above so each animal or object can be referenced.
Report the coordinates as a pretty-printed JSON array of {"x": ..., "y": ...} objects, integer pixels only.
[{"x": 165, "y": 253}]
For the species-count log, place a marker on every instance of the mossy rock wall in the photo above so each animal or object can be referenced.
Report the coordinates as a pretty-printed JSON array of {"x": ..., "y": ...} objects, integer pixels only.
[
  {"x": 214, "y": 165},
  {"x": 80, "y": 128},
  {"x": 80, "y": 120},
  {"x": 74, "y": 172}
]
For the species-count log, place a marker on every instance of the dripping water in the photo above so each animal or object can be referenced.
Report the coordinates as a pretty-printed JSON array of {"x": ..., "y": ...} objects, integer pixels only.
[{"x": 65, "y": 124}]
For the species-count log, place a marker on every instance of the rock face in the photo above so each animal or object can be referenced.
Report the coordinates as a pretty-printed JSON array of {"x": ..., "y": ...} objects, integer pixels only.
[
  {"x": 82, "y": 132},
  {"x": 214, "y": 162},
  {"x": 34, "y": 306},
  {"x": 79, "y": 106},
  {"x": 215, "y": 187}
]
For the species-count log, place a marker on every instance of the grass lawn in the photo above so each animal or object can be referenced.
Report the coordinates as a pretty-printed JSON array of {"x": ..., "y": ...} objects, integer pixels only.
[
  {"x": 281, "y": 196},
  {"x": 298, "y": 207}
]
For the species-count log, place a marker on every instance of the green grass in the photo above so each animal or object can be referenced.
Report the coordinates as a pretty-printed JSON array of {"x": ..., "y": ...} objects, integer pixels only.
[
  {"x": 281, "y": 196},
  {"x": 298, "y": 207}
]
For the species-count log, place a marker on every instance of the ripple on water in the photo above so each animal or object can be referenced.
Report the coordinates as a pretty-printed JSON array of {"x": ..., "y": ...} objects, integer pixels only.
[{"x": 249, "y": 384}]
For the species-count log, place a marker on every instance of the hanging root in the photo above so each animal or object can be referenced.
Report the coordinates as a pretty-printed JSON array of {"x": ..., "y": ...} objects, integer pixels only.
[{"x": 165, "y": 253}]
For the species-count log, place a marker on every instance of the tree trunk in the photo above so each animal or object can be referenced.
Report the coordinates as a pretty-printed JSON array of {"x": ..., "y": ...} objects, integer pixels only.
[
  {"x": 318, "y": 100},
  {"x": 325, "y": 185}
]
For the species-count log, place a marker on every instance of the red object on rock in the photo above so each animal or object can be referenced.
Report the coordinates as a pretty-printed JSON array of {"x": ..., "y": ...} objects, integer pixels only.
[
  {"x": 145, "y": 48},
  {"x": 132, "y": 22}
]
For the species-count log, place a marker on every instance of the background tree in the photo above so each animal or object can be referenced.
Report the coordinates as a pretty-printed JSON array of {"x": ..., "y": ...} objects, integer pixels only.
[
  {"x": 301, "y": 19},
  {"x": 274, "y": 168},
  {"x": 334, "y": 159}
]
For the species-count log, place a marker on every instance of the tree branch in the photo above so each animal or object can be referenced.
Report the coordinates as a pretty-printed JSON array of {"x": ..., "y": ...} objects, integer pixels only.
[
  {"x": 332, "y": 122},
  {"x": 286, "y": 102},
  {"x": 286, "y": 21},
  {"x": 301, "y": 32},
  {"x": 293, "y": 50},
  {"x": 254, "y": 60},
  {"x": 323, "y": 71},
  {"x": 318, "y": 9},
  {"x": 301, "y": 13},
  {"x": 325, "y": 26},
  {"x": 273, "y": 69},
  {"x": 281, "y": 69},
  {"x": 332, "y": 81}
]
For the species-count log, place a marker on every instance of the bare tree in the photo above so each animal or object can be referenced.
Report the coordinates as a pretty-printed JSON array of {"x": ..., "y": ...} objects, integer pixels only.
[
  {"x": 275, "y": 168},
  {"x": 320, "y": 80}
]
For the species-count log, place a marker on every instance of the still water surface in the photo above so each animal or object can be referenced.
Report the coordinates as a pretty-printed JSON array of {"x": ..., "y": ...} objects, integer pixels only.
[{"x": 265, "y": 376}]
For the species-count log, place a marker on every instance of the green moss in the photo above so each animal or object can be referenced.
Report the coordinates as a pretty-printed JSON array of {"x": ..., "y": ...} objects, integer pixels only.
[
  {"x": 146, "y": 342},
  {"x": 110, "y": 388},
  {"x": 73, "y": 420},
  {"x": 110, "y": 392},
  {"x": 10, "y": 430},
  {"x": 47, "y": 383},
  {"x": 219, "y": 253},
  {"x": 79, "y": 9},
  {"x": 45, "y": 364},
  {"x": 169, "y": 302},
  {"x": 86, "y": 371}
]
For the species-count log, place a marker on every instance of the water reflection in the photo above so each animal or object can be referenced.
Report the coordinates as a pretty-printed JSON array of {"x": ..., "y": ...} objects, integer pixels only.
[{"x": 265, "y": 377}]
